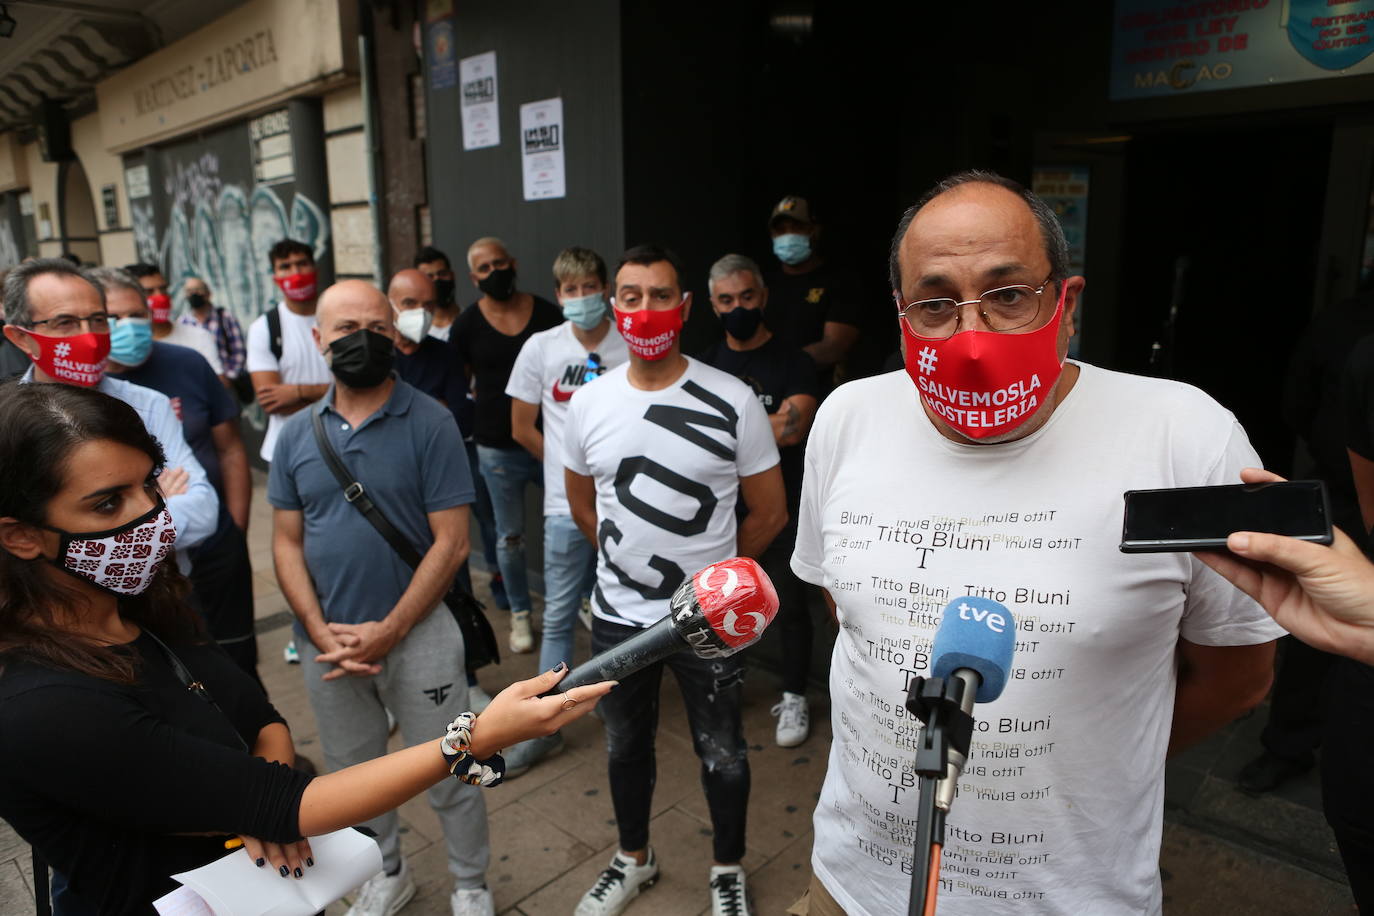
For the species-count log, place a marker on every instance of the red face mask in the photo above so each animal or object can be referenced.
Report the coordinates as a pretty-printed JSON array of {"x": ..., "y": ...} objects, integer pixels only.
[
  {"x": 160, "y": 304},
  {"x": 983, "y": 383},
  {"x": 648, "y": 333},
  {"x": 298, "y": 287},
  {"x": 75, "y": 360}
]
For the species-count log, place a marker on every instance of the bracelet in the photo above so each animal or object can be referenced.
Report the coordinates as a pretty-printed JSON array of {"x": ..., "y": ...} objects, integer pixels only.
[{"x": 456, "y": 748}]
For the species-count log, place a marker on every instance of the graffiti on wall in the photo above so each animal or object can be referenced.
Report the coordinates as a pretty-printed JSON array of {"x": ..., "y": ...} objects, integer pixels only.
[
  {"x": 221, "y": 231},
  {"x": 10, "y": 254}
]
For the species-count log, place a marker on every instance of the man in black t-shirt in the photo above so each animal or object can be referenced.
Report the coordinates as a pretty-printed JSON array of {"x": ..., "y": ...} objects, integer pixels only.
[
  {"x": 487, "y": 338},
  {"x": 784, "y": 380},
  {"x": 814, "y": 306}
]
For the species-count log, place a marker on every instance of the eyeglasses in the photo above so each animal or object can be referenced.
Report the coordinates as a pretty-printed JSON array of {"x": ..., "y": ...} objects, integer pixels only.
[
  {"x": 594, "y": 368},
  {"x": 1007, "y": 308},
  {"x": 64, "y": 325}
]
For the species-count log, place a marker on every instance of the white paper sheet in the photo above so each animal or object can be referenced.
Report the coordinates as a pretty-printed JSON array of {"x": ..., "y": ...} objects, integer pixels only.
[
  {"x": 234, "y": 886},
  {"x": 480, "y": 105},
  {"x": 541, "y": 141}
]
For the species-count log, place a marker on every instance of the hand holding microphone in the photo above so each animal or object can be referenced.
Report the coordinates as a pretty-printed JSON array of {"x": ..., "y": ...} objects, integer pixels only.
[{"x": 714, "y": 614}]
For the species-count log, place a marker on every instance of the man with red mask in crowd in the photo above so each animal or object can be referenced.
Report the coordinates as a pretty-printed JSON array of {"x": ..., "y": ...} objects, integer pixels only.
[
  {"x": 657, "y": 453},
  {"x": 994, "y": 467},
  {"x": 287, "y": 369},
  {"x": 149, "y": 276}
]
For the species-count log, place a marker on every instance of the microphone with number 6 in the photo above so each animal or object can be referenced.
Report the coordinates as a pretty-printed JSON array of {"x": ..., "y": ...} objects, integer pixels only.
[
  {"x": 974, "y": 644},
  {"x": 715, "y": 613}
]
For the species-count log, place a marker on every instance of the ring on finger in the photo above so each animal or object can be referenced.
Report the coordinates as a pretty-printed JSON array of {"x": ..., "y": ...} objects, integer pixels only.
[{"x": 568, "y": 702}]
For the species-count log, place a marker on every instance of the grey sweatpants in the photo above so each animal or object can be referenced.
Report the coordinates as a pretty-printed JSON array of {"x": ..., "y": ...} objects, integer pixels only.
[{"x": 424, "y": 684}]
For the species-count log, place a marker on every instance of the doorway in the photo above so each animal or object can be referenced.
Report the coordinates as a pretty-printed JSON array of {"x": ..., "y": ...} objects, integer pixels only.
[
  {"x": 1224, "y": 226},
  {"x": 80, "y": 236}
]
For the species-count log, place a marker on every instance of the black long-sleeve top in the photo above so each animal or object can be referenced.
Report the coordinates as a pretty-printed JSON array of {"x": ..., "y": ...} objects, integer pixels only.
[{"x": 100, "y": 777}]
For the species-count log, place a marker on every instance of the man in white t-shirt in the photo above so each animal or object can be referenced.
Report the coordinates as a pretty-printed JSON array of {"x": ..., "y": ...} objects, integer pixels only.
[
  {"x": 656, "y": 453},
  {"x": 551, "y": 367},
  {"x": 286, "y": 367},
  {"x": 993, "y": 467}
]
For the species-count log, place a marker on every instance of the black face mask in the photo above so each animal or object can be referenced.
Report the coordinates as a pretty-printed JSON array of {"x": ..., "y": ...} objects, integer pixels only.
[
  {"x": 443, "y": 291},
  {"x": 361, "y": 359},
  {"x": 499, "y": 284},
  {"x": 197, "y": 301},
  {"x": 742, "y": 323}
]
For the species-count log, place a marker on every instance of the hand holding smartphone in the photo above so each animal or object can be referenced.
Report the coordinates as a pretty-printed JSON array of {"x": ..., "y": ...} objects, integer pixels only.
[{"x": 1200, "y": 518}]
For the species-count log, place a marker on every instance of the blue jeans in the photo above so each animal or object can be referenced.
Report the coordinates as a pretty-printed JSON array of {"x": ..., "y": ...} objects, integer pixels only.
[
  {"x": 486, "y": 521},
  {"x": 507, "y": 472},
  {"x": 569, "y": 574}
]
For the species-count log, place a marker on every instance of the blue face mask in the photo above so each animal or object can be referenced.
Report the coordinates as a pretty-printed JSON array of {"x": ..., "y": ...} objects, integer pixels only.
[
  {"x": 585, "y": 311},
  {"x": 131, "y": 341},
  {"x": 792, "y": 247}
]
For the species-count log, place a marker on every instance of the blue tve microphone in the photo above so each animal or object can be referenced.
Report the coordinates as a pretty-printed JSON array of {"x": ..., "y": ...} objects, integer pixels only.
[
  {"x": 974, "y": 644},
  {"x": 978, "y": 634}
]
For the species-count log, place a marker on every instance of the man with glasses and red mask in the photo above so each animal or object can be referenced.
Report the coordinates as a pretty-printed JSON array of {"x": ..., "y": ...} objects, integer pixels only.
[
  {"x": 657, "y": 452},
  {"x": 994, "y": 467}
]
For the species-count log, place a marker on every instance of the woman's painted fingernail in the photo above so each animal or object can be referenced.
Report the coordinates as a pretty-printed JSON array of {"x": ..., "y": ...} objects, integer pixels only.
[
  {"x": 261, "y": 862},
  {"x": 299, "y": 873},
  {"x": 283, "y": 871},
  {"x": 309, "y": 861},
  {"x": 561, "y": 666}
]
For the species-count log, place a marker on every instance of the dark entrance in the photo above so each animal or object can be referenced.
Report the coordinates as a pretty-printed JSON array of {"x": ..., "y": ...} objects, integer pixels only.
[{"x": 1227, "y": 224}]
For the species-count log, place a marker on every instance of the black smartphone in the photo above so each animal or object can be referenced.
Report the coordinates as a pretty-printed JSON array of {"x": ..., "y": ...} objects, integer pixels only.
[{"x": 1200, "y": 518}]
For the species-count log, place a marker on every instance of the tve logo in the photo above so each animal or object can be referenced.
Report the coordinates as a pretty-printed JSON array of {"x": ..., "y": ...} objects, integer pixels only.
[{"x": 994, "y": 621}]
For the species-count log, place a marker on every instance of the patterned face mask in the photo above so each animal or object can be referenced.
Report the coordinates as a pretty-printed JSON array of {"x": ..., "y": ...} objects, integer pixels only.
[{"x": 122, "y": 560}]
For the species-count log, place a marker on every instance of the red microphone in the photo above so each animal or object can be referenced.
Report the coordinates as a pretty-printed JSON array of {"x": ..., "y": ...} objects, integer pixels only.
[{"x": 715, "y": 613}]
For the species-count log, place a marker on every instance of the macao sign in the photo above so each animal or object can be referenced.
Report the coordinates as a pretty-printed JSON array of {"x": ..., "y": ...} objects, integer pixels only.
[
  {"x": 1164, "y": 48},
  {"x": 241, "y": 57}
]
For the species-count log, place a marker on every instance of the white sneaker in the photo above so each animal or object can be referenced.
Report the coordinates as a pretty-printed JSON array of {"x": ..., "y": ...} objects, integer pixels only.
[
  {"x": 521, "y": 638},
  {"x": 289, "y": 653},
  {"x": 584, "y": 613},
  {"x": 620, "y": 883},
  {"x": 729, "y": 896},
  {"x": 472, "y": 902},
  {"x": 384, "y": 894},
  {"x": 794, "y": 720},
  {"x": 478, "y": 699}
]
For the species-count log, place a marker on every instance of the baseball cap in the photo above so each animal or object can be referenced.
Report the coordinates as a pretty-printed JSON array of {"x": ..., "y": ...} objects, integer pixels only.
[{"x": 792, "y": 207}]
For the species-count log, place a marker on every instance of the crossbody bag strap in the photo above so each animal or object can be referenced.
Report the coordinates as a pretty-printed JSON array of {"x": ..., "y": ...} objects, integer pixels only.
[
  {"x": 192, "y": 683},
  {"x": 357, "y": 496}
]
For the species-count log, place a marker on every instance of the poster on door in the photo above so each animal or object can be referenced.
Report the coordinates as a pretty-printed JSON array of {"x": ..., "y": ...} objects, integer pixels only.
[
  {"x": 481, "y": 112},
  {"x": 1164, "y": 48},
  {"x": 541, "y": 140}
]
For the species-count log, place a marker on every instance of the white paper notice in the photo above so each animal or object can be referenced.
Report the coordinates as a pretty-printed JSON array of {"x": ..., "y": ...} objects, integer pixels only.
[
  {"x": 481, "y": 118},
  {"x": 234, "y": 886},
  {"x": 541, "y": 140}
]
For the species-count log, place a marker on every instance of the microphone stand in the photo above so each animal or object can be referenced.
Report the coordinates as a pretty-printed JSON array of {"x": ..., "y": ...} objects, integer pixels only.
[{"x": 944, "y": 706}]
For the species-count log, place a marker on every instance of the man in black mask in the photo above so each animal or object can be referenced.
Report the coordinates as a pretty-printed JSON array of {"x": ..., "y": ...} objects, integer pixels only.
[
  {"x": 383, "y": 638},
  {"x": 784, "y": 379},
  {"x": 487, "y": 337},
  {"x": 434, "y": 264}
]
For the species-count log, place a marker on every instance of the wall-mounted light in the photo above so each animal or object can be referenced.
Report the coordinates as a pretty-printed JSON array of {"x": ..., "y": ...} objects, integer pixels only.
[{"x": 7, "y": 22}]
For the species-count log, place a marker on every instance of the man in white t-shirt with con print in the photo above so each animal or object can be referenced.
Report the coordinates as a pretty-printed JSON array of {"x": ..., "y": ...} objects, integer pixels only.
[
  {"x": 657, "y": 452},
  {"x": 551, "y": 367},
  {"x": 994, "y": 467},
  {"x": 286, "y": 367}
]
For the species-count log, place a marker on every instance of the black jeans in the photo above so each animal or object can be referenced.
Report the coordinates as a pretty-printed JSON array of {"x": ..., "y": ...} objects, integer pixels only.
[
  {"x": 711, "y": 692},
  {"x": 222, "y": 591},
  {"x": 1347, "y": 793},
  {"x": 794, "y": 614}
]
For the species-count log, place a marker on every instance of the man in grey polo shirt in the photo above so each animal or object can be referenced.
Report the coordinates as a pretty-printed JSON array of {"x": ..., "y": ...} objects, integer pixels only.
[{"x": 385, "y": 640}]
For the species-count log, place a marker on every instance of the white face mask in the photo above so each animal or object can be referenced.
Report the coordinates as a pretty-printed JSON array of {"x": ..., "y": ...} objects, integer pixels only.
[
  {"x": 414, "y": 324},
  {"x": 121, "y": 560}
]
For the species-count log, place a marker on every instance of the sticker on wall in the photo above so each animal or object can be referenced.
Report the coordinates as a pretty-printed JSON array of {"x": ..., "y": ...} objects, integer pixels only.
[
  {"x": 481, "y": 116},
  {"x": 442, "y": 72},
  {"x": 541, "y": 143},
  {"x": 136, "y": 182}
]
